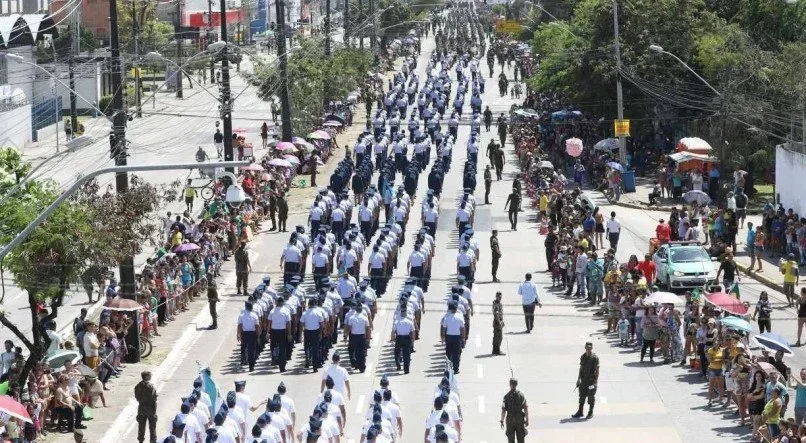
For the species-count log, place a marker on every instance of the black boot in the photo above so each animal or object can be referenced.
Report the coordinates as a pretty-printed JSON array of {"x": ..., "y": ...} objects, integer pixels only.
[
  {"x": 590, "y": 412},
  {"x": 579, "y": 411}
]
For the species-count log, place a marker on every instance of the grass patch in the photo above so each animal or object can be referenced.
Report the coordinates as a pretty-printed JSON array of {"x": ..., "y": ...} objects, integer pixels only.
[{"x": 766, "y": 192}]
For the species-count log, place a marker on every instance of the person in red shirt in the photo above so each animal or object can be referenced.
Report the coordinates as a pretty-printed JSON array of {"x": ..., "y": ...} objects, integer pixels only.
[
  {"x": 648, "y": 268},
  {"x": 663, "y": 232}
]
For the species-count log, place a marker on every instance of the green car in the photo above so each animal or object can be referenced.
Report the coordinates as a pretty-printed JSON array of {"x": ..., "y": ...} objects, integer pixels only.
[{"x": 684, "y": 265}]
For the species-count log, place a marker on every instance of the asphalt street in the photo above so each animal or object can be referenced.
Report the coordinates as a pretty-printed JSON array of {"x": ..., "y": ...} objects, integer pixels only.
[{"x": 658, "y": 403}]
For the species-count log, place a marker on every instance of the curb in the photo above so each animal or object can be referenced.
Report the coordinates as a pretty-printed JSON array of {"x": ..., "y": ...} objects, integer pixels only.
[
  {"x": 646, "y": 207},
  {"x": 762, "y": 279}
]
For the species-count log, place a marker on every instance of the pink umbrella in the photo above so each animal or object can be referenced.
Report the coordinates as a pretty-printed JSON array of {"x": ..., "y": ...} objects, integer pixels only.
[
  {"x": 285, "y": 147},
  {"x": 14, "y": 408},
  {"x": 185, "y": 247},
  {"x": 319, "y": 135},
  {"x": 726, "y": 302},
  {"x": 239, "y": 131},
  {"x": 280, "y": 163},
  {"x": 573, "y": 146},
  {"x": 292, "y": 158},
  {"x": 298, "y": 140},
  {"x": 266, "y": 177},
  {"x": 253, "y": 167}
]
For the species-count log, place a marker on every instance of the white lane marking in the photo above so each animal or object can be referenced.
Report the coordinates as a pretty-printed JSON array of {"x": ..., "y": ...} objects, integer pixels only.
[
  {"x": 603, "y": 399},
  {"x": 368, "y": 371},
  {"x": 125, "y": 422},
  {"x": 359, "y": 407},
  {"x": 482, "y": 406},
  {"x": 479, "y": 370},
  {"x": 478, "y": 340}
]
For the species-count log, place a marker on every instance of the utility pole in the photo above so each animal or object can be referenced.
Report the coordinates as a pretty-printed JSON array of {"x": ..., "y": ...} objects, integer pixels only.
[
  {"x": 282, "y": 53},
  {"x": 346, "y": 24},
  {"x": 75, "y": 47},
  {"x": 178, "y": 35},
  {"x": 210, "y": 38},
  {"x": 327, "y": 28},
  {"x": 226, "y": 101},
  {"x": 360, "y": 31},
  {"x": 117, "y": 145},
  {"x": 372, "y": 19},
  {"x": 622, "y": 152},
  {"x": 138, "y": 91}
]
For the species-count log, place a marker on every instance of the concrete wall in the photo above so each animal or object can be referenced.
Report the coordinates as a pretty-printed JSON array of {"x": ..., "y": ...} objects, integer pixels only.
[
  {"x": 790, "y": 178},
  {"x": 15, "y": 127},
  {"x": 21, "y": 75},
  {"x": 87, "y": 81}
]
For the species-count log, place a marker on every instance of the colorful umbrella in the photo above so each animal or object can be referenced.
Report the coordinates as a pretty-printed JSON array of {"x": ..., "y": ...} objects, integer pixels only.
[
  {"x": 298, "y": 140},
  {"x": 266, "y": 177},
  {"x": 617, "y": 166},
  {"x": 122, "y": 304},
  {"x": 766, "y": 367},
  {"x": 573, "y": 146},
  {"x": 664, "y": 298},
  {"x": 185, "y": 247},
  {"x": 253, "y": 167},
  {"x": 774, "y": 342},
  {"x": 14, "y": 408},
  {"x": 280, "y": 163},
  {"x": 319, "y": 135},
  {"x": 285, "y": 147},
  {"x": 332, "y": 124},
  {"x": 726, "y": 302},
  {"x": 737, "y": 324},
  {"x": 292, "y": 159}
]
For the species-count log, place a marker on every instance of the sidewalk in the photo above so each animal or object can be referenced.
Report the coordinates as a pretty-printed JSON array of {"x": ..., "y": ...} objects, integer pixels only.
[{"x": 639, "y": 199}]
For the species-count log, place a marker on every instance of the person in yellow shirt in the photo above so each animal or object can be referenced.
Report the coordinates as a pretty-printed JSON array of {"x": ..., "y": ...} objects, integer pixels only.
[
  {"x": 716, "y": 357},
  {"x": 190, "y": 193},
  {"x": 544, "y": 206},
  {"x": 176, "y": 238},
  {"x": 583, "y": 243},
  {"x": 791, "y": 277}
]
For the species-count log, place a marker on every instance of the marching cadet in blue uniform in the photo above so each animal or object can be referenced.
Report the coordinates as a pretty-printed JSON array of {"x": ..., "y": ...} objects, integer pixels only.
[
  {"x": 313, "y": 324},
  {"x": 452, "y": 334},
  {"x": 280, "y": 333},
  {"x": 248, "y": 329},
  {"x": 403, "y": 336}
]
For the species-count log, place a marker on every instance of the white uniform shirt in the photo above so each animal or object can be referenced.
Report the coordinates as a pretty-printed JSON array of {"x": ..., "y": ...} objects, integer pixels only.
[
  {"x": 292, "y": 254},
  {"x": 311, "y": 319},
  {"x": 280, "y": 317},
  {"x": 453, "y": 323},
  {"x": 528, "y": 292},
  {"x": 358, "y": 324},
  {"x": 248, "y": 320},
  {"x": 339, "y": 376}
]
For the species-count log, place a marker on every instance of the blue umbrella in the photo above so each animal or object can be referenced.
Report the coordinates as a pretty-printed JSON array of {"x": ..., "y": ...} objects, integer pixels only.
[
  {"x": 737, "y": 324},
  {"x": 617, "y": 166},
  {"x": 774, "y": 342}
]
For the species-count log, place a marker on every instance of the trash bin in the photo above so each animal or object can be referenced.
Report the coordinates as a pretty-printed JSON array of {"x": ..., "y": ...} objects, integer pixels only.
[{"x": 628, "y": 179}]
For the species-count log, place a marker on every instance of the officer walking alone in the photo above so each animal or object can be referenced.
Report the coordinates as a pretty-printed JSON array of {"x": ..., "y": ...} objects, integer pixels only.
[
  {"x": 515, "y": 413},
  {"x": 498, "y": 324},
  {"x": 587, "y": 380},
  {"x": 514, "y": 204},
  {"x": 242, "y": 269},
  {"x": 495, "y": 253},
  {"x": 212, "y": 299},
  {"x": 146, "y": 395}
]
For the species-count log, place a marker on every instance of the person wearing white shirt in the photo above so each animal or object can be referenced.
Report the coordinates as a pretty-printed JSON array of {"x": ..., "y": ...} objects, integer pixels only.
[
  {"x": 403, "y": 334},
  {"x": 452, "y": 334},
  {"x": 613, "y": 230},
  {"x": 435, "y": 417},
  {"x": 338, "y": 375},
  {"x": 465, "y": 262},
  {"x": 193, "y": 430},
  {"x": 529, "y": 299},
  {"x": 248, "y": 330},
  {"x": 279, "y": 324},
  {"x": 417, "y": 264},
  {"x": 359, "y": 329},
  {"x": 290, "y": 260},
  {"x": 313, "y": 325}
]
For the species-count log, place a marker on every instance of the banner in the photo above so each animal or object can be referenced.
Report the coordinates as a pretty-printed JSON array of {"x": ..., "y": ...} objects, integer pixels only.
[{"x": 621, "y": 128}]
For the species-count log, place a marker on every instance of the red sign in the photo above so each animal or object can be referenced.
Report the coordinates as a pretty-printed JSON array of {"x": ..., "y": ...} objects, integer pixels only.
[{"x": 199, "y": 19}]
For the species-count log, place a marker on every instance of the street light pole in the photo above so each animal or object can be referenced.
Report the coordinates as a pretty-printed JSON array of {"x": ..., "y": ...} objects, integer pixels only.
[
  {"x": 138, "y": 92},
  {"x": 178, "y": 36},
  {"x": 622, "y": 152},
  {"x": 282, "y": 53},
  {"x": 210, "y": 38},
  {"x": 327, "y": 28},
  {"x": 117, "y": 141},
  {"x": 226, "y": 101}
]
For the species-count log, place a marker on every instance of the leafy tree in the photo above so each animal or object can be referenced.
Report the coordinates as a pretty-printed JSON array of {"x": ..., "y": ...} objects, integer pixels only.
[
  {"x": 154, "y": 35},
  {"x": 314, "y": 80},
  {"x": 89, "y": 229}
]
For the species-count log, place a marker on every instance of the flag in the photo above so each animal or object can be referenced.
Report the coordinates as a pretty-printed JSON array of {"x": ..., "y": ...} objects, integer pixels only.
[
  {"x": 211, "y": 389},
  {"x": 735, "y": 291}
]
